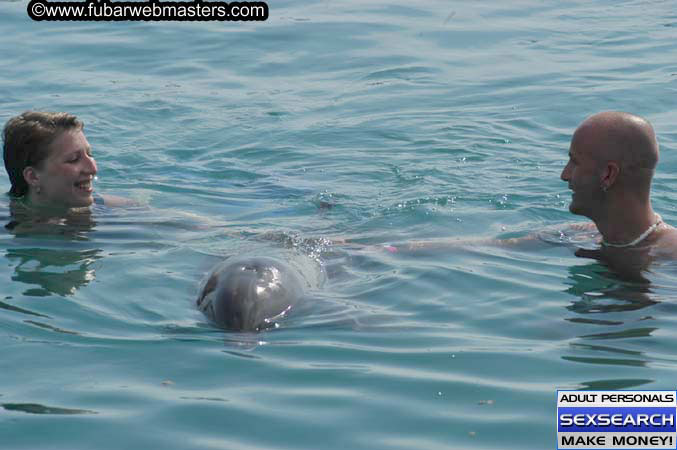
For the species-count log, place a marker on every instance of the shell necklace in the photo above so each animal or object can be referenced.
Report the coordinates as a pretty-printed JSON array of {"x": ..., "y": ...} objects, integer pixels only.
[{"x": 639, "y": 238}]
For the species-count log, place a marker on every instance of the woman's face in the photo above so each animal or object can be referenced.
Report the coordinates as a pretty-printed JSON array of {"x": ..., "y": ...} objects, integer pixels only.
[{"x": 66, "y": 176}]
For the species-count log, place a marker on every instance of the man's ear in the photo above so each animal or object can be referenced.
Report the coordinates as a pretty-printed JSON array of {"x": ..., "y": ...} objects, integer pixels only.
[
  {"x": 31, "y": 176},
  {"x": 610, "y": 174}
]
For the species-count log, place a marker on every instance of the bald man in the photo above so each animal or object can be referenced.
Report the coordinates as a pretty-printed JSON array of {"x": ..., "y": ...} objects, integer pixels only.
[{"x": 612, "y": 158}]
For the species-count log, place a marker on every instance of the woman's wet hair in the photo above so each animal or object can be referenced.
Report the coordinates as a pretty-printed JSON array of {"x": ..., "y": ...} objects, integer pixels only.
[{"x": 26, "y": 139}]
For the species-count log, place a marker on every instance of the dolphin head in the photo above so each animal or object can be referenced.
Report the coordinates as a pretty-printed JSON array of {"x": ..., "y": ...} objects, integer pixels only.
[{"x": 247, "y": 294}]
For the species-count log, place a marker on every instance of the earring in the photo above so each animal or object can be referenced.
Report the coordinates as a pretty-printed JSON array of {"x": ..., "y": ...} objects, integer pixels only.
[
  {"x": 38, "y": 189},
  {"x": 605, "y": 188}
]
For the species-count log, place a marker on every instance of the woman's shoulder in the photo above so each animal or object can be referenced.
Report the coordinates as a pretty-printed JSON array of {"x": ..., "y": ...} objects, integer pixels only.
[{"x": 114, "y": 201}]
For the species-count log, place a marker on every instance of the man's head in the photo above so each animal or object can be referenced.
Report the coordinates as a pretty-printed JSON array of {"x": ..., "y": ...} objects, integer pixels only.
[{"x": 612, "y": 155}]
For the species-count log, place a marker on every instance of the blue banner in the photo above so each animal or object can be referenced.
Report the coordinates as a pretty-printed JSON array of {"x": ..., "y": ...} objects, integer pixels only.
[{"x": 616, "y": 419}]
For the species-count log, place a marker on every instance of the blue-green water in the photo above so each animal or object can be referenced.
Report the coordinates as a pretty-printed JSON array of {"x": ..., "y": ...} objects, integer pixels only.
[{"x": 416, "y": 120}]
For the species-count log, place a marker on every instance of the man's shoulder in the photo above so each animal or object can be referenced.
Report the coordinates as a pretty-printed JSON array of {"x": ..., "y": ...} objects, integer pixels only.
[{"x": 667, "y": 241}]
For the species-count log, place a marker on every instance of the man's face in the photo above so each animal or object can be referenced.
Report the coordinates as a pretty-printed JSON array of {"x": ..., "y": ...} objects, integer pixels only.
[{"x": 584, "y": 179}]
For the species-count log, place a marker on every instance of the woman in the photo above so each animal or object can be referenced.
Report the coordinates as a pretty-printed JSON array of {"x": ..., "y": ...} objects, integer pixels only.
[{"x": 50, "y": 163}]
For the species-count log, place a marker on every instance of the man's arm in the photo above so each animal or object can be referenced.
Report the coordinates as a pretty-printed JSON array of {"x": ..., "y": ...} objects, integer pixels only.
[{"x": 529, "y": 242}]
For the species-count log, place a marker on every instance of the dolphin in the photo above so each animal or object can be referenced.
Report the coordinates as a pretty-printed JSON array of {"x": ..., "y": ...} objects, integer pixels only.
[{"x": 249, "y": 293}]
